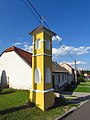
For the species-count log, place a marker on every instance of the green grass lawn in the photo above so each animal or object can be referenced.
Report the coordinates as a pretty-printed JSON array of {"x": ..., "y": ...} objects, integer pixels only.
[
  {"x": 84, "y": 84},
  {"x": 11, "y": 98},
  {"x": 82, "y": 87},
  {"x": 35, "y": 114}
]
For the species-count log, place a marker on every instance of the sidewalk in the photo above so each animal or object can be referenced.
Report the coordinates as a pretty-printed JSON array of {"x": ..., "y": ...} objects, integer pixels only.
[
  {"x": 76, "y": 94},
  {"x": 82, "y": 113},
  {"x": 76, "y": 97},
  {"x": 80, "y": 94}
]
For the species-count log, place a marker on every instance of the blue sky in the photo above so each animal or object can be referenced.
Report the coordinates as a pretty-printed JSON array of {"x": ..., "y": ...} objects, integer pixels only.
[{"x": 70, "y": 19}]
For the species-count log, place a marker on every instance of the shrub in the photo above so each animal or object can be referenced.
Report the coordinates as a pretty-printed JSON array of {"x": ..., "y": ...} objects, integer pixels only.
[
  {"x": 81, "y": 78},
  {"x": 1, "y": 88}
]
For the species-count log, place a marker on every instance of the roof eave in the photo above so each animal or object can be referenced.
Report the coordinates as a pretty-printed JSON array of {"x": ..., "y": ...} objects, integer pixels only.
[{"x": 41, "y": 28}]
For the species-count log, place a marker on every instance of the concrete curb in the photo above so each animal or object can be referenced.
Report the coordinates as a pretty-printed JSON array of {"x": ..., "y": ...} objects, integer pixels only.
[{"x": 70, "y": 111}]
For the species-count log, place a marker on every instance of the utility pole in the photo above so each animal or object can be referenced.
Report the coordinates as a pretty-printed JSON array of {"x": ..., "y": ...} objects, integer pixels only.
[{"x": 75, "y": 72}]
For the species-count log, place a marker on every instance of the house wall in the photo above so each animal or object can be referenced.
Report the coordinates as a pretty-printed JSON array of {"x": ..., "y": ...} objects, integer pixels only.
[
  {"x": 70, "y": 78},
  {"x": 70, "y": 70},
  {"x": 63, "y": 80},
  {"x": 15, "y": 71}
]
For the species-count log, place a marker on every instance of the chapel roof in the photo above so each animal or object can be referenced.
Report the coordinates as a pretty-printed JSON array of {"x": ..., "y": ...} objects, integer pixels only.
[{"x": 41, "y": 27}]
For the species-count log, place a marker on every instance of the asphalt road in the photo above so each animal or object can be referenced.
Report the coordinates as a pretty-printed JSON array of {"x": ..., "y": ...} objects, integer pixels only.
[{"x": 82, "y": 113}]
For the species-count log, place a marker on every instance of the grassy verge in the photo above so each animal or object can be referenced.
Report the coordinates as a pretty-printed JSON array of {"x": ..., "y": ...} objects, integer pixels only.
[
  {"x": 11, "y": 98},
  {"x": 85, "y": 84},
  {"x": 82, "y": 89},
  {"x": 34, "y": 113}
]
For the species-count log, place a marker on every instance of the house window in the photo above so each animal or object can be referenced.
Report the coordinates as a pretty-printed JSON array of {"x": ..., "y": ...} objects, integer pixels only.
[
  {"x": 58, "y": 78},
  {"x": 48, "y": 44},
  {"x": 37, "y": 75},
  {"x": 62, "y": 77},
  {"x": 37, "y": 44},
  {"x": 48, "y": 75},
  {"x": 65, "y": 76}
]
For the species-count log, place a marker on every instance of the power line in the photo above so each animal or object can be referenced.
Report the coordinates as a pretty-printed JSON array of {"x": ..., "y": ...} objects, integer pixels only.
[
  {"x": 37, "y": 13},
  {"x": 44, "y": 23},
  {"x": 34, "y": 9},
  {"x": 65, "y": 49},
  {"x": 31, "y": 10},
  {"x": 41, "y": 20}
]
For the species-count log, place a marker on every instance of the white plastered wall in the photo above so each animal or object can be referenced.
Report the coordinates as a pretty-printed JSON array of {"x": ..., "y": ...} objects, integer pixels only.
[
  {"x": 62, "y": 82},
  {"x": 18, "y": 72}
]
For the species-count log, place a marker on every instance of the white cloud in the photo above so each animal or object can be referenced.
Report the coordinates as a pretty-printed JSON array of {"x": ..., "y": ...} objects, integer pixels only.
[
  {"x": 58, "y": 51},
  {"x": 72, "y": 50},
  {"x": 24, "y": 45},
  {"x": 56, "y": 38},
  {"x": 81, "y": 63},
  {"x": 27, "y": 48},
  {"x": 17, "y": 43},
  {"x": 77, "y": 63}
]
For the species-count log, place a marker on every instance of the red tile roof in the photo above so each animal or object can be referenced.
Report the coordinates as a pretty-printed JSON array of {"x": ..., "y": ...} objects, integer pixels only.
[{"x": 26, "y": 56}]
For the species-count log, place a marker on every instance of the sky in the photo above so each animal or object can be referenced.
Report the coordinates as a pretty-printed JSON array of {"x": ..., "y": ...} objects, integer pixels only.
[{"x": 69, "y": 19}]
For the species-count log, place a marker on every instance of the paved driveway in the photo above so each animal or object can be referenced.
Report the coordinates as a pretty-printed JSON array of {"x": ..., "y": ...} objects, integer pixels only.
[{"x": 83, "y": 113}]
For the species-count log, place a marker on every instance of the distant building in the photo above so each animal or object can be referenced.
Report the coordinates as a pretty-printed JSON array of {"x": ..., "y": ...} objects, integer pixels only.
[
  {"x": 87, "y": 76},
  {"x": 59, "y": 76},
  {"x": 70, "y": 70}
]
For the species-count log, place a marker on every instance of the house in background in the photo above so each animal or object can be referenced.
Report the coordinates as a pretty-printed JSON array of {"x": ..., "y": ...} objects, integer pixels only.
[
  {"x": 16, "y": 70},
  {"x": 71, "y": 72},
  {"x": 59, "y": 76},
  {"x": 87, "y": 76}
]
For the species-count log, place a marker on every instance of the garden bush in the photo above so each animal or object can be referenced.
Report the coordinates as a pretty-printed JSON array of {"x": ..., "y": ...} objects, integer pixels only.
[{"x": 1, "y": 88}]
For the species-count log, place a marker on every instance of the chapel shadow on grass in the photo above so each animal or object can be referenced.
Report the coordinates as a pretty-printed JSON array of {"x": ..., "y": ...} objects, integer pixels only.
[
  {"x": 78, "y": 100},
  {"x": 18, "y": 108},
  {"x": 59, "y": 102},
  {"x": 69, "y": 89}
]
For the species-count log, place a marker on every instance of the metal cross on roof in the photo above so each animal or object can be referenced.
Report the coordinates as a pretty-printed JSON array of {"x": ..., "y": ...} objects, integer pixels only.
[{"x": 42, "y": 19}]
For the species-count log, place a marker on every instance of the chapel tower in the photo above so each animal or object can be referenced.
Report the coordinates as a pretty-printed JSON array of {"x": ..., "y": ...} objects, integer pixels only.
[{"x": 42, "y": 93}]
